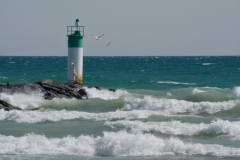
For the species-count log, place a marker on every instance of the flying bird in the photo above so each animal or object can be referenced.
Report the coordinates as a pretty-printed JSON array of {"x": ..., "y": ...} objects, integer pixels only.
[
  {"x": 109, "y": 43},
  {"x": 97, "y": 37}
]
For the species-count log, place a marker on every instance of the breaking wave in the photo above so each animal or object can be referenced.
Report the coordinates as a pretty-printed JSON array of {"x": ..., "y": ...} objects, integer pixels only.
[
  {"x": 55, "y": 116},
  {"x": 24, "y": 101},
  {"x": 236, "y": 92},
  {"x": 105, "y": 94},
  {"x": 110, "y": 144},
  {"x": 216, "y": 127},
  {"x": 174, "y": 106}
]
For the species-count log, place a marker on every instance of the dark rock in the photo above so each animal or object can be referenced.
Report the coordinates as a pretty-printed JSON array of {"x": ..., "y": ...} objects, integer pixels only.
[
  {"x": 48, "y": 95},
  {"x": 61, "y": 90},
  {"x": 50, "y": 89},
  {"x": 7, "y": 107},
  {"x": 72, "y": 86},
  {"x": 33, "y": 109},
  {"x": 83, "y": 93},
  {"x": 113, "y": 90}
]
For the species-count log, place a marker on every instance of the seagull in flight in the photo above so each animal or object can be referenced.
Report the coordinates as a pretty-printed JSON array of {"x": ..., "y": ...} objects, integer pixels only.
[
  {"x": 97, "y": 37},
  {"x": 109, "y": 43}
]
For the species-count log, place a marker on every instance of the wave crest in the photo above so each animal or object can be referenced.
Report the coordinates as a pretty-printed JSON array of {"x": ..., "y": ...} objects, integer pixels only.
[
  {"x": 218, "y": 127},
  {"x": 110, "y": 144},
  {"x": 236, "y": 92},
  {"x": 174, "y": 106}
]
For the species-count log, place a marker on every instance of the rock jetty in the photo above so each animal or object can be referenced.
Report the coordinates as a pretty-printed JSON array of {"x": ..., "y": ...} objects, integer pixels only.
[{"x": 48, "y": 87}]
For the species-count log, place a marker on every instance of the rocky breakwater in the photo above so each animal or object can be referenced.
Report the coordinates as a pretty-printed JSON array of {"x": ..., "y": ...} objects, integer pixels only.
[{"x": 48, "y": 88}]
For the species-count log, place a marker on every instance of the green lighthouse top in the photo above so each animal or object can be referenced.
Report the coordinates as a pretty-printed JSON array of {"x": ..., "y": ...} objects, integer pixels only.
[{"x": 75, "y": 35}]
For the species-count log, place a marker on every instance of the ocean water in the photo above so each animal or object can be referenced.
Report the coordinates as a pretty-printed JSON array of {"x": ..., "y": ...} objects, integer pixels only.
[{"x": 163, "y": 108}]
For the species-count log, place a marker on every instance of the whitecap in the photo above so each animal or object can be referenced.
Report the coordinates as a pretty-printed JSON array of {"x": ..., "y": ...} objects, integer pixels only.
[
  {"x": 110, "y": 144},
  {"x": 3, "y": 77},
  {"x": 206, "y": 64},
  {"x": 196, "y": 91},
  {"x": 174, "y": 106},
  {"x": 171, "y": 82},
  {"x": 236, "y": 91},
  {"x": 218, "y": 126},
  {"x": 55, "y": 116},
  {"x": 24, "y": 101},
  {"x": 168, "y": 94},
  {"x": 105, "y": 94}
]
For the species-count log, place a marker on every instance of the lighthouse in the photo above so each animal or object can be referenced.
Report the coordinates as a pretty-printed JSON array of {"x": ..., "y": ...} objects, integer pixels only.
[{"x": 75, "y": 53}]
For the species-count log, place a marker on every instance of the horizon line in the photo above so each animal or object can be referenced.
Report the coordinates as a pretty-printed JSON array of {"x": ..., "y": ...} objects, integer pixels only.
[{"x": 131, "y": 56}]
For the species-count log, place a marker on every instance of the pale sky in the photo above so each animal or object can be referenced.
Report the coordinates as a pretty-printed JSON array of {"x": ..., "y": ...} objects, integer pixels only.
[{"x": 136, "y": 27}]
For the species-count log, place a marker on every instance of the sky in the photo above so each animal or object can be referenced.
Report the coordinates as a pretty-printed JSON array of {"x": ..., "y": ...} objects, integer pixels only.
[{"x": 135, "y": 27}]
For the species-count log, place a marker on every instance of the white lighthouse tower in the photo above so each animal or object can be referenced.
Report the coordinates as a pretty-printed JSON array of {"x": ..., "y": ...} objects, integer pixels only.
[{"x": 75, "y": 53}]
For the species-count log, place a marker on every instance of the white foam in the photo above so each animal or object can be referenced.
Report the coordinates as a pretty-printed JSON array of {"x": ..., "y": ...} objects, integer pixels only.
[
  {"x": 54, "y": 116},
  {"x": 110, "y": 144},
  {"x": 134, "y": 108},
  {"x": 169, "y": 94},
  {"x": 171, "y": 82},
  {"x": 3, "y": 77},
  {"x": 206, "y": 64},
  {"x": 24, "y": 101},
  {"x": 105, "y": 94},
  {"x": 196, "y": 91},
  {"x": 219, "y": 127},
  {"x": 236, "y": 92},
  {"x": 174, "y": 106}
]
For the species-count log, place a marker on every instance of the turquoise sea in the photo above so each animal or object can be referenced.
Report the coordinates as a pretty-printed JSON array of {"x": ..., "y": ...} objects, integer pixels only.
[{"x": 163, "y": 108}]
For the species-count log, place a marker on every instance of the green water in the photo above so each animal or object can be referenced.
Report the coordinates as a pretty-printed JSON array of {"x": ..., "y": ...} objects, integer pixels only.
[{"x": 163, "y": 108}]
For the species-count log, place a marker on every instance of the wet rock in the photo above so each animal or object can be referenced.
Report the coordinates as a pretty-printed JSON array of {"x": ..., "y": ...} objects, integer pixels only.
[
  {"x": 48, "y": 95},
  {"x": 83, "y": 93},
  {"x": 113, "y": 90},
  {"x": 33, "y": 109},
  {"x": 60, "y": 90},
  {"x": 7, "y": 107},
  {"x": 50, "y": 89}
]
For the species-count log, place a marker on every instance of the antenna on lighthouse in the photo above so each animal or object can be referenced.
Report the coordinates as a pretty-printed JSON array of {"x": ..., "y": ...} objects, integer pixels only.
[
  {"x": 75, "y": 53},
  {"x": 76, "y": 23}
]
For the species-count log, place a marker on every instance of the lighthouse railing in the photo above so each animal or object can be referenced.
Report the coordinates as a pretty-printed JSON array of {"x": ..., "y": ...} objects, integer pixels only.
[{"x": 71, "y": 30}]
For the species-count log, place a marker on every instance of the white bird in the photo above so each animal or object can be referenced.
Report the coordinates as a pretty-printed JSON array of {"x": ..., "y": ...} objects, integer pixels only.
[
  {"x": 109, "y": 43},
  {"x": 97, "y": 37}
]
